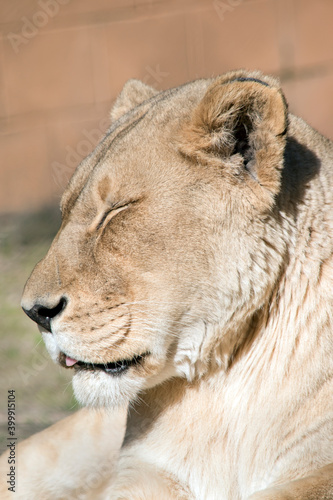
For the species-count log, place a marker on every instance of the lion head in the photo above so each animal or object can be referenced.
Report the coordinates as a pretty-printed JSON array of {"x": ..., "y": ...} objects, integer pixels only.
[{"x": 171, "y": 237}]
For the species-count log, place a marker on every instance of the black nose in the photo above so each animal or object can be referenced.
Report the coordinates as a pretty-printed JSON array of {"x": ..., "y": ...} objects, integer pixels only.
[{"x": 42, "y": 315}]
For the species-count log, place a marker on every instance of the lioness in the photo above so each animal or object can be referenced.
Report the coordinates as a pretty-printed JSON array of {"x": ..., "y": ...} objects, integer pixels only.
[{"x": 192, "y": 281}]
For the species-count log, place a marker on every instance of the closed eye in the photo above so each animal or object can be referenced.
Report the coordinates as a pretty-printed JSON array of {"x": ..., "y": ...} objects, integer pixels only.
[{"x": 111, "y": 212}]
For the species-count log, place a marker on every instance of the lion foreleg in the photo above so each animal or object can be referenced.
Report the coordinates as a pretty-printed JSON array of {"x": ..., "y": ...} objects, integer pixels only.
[
  {"x": 67, "y": 460},
  {"x": 317, "y": 486},
  {"x": 137, "y": 480}
]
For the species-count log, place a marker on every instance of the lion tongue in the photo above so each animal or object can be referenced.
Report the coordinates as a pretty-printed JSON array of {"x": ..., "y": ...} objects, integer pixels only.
[{"x": 70, "y": 361}]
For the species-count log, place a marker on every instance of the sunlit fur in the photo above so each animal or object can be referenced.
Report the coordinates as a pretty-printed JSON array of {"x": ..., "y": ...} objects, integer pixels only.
[{"x": 199, "y": 235}]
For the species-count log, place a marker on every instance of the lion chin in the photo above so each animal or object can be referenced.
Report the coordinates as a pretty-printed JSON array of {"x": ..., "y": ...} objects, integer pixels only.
[{"x": 98, "y": 389}]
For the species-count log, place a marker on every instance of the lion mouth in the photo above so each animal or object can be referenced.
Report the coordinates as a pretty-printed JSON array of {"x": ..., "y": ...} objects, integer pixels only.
[{"x": 112, "y": 368}]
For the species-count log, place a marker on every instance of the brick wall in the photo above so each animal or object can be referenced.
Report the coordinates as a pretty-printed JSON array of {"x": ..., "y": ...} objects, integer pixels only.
[{"x": 62, "y": 63}]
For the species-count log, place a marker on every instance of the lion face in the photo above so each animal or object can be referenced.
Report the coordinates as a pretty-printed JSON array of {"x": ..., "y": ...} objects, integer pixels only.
[{"x": 166, "y": 247}]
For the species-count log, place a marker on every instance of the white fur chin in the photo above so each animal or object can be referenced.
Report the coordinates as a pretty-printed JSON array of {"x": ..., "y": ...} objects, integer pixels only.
[
  {"x": 51, "y": 345},
  {"x": 98, "y": 389}
]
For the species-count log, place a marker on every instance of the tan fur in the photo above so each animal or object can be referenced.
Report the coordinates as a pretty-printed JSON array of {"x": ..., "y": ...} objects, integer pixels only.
[{"x": 199, "y": 235}]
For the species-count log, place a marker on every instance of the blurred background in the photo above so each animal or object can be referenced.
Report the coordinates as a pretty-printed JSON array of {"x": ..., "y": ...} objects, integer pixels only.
[{"x": 62, "y": 64}]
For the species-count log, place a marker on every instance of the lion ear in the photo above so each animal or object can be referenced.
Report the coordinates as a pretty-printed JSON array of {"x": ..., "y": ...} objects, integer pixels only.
[
  {"x": 134, "y": 93},
  {"x": 240, "y": 125}
]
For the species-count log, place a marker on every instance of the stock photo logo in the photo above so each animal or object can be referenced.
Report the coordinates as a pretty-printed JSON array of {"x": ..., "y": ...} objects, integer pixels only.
[{"x": 31, "y": 26}]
